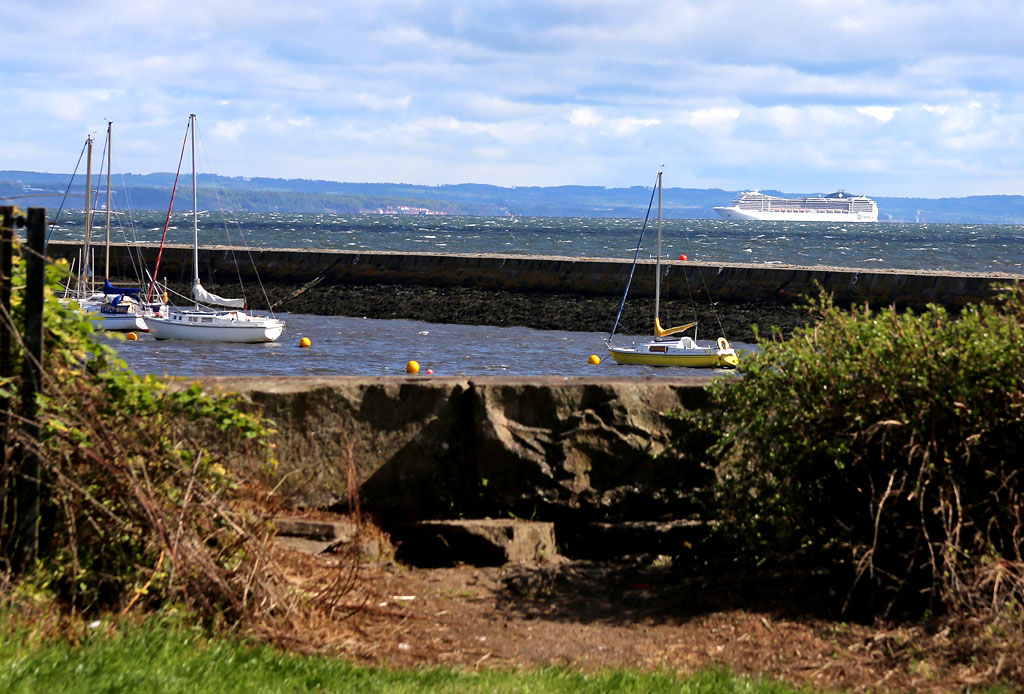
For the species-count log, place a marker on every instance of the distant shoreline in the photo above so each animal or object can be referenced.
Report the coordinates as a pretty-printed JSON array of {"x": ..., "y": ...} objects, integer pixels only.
[{"x": 151, "y": 192}]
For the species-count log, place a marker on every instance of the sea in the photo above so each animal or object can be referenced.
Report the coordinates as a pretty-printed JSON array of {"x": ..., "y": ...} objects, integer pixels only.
[
  {"x": 985, "y": 248},
  {"x": 358, "y": 346}
]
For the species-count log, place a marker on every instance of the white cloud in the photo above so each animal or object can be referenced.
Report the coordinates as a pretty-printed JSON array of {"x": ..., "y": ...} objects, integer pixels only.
[
  {"x": 628, "y": 126},
  {"x": 895, "y": 96},
  {"x": 880, "y": 113},
  {"x": 711, "y": 117},
  {"x": 624, "y": 126},
  {"x": 230, "y": 131},
  {"x": 584, "y": 118},
  {"x": 63, "y": 106}
]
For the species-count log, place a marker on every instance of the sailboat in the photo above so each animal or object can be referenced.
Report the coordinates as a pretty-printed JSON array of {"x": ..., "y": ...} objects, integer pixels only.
[
  {"x": 669, "y": 347},
  {"x": 202, "y": 322},
  {"x": 112, "y": 309},
  {"x": 79, "y": 287}
]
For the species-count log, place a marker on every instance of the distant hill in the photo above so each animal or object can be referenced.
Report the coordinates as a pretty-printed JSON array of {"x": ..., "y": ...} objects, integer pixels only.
[{"x": 152, "y": 192}]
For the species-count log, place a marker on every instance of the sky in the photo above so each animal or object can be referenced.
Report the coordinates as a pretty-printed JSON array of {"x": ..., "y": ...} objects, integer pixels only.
[{"x": 884, "y": 98}]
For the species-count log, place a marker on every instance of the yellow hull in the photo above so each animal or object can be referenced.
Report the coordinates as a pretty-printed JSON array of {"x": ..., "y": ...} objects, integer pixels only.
[{"x": 694, "y": 361}]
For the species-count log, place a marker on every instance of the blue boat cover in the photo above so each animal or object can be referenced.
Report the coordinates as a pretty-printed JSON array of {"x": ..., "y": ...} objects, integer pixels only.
[{"x": 108, "y": 288}]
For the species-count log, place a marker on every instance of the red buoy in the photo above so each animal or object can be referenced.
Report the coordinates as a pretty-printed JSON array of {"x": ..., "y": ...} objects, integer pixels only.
[{"x": 682, "y": 256}]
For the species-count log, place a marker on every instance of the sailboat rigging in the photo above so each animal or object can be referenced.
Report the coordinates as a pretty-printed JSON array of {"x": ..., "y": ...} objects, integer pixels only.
[
  {"x": 111, "y": 308},
  {"x": 201, "y": 322},
  {"x": 665, "y": 350}
]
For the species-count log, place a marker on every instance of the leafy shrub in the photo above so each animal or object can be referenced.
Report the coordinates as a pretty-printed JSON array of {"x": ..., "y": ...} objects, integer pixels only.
[
  {"x": 888, "y": 441},
  {"x": 136, "y": 509}
]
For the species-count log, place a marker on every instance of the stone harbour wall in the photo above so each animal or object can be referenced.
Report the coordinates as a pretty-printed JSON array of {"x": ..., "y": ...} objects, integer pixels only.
[
  {"x": 544, "y": 292},
  {"x": 421, "y": 448}
]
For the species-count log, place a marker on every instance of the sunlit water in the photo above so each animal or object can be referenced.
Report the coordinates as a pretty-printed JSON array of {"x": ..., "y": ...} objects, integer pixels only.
[
  {"x": 378, "y": 347},
  {"x": 360, "y": 346},
  {"x": 941, "y": 247}
]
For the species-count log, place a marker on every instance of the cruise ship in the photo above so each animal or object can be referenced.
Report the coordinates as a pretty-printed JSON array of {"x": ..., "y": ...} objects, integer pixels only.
[{"x": 836, "y": 207}]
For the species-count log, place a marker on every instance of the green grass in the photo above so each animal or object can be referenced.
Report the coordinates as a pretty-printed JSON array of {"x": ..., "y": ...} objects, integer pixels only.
[{"x": 162, "y": 659}]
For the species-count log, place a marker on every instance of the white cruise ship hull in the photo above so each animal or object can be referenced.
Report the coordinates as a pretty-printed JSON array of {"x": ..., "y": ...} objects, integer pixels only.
[{"x": 736, "y": 213}]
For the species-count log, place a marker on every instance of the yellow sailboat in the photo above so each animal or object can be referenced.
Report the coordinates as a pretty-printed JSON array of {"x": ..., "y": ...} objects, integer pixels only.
[{"x": 666, "y": 349}]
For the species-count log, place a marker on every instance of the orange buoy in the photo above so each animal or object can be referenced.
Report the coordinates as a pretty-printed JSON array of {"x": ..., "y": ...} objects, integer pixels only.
[{"x": 412, "y": 367}]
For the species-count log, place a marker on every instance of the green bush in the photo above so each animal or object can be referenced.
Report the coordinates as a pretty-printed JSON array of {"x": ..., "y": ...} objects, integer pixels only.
[
  {"x": 887, "y": 441},
  {"x": 136, "y": 509}
]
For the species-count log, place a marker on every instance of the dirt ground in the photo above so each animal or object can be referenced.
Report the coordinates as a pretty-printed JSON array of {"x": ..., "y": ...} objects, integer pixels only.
[{"x": 591, "y": 616}]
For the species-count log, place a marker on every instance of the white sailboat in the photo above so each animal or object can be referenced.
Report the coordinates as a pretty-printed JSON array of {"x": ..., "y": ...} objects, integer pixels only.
[
  {"x": 112, "y": 309},
  {"x": 79, "y": 287},
  {"x": 201, "y": 322},
  {"x": 119, "y": 311},
  {"x": 666, "y": 349}
]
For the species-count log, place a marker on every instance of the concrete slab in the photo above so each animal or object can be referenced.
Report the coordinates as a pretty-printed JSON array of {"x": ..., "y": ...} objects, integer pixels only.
[{"x": 479, "y": 542}]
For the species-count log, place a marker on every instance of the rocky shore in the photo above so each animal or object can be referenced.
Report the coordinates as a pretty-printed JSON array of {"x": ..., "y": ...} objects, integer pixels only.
[
  {"x": 546, "y": 293},
  {"x": 538, "y": 310}
]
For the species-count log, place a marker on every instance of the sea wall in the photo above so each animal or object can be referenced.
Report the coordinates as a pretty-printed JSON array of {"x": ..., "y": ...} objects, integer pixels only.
[
  {"x": 545, "y": 448},
  {"x": 544, "y": 292},
  {"x": 586, "y": 276}
]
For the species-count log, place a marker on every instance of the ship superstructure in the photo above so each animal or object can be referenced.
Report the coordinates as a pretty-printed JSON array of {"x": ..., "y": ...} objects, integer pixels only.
[{"x": 836, "y": 207}]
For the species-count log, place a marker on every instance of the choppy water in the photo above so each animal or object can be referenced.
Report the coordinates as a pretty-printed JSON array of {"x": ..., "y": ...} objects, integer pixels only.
[
  {"x": 363, "y": 347},
  {"x": 944, "y": 247},
  {"x": 348, "y": 346}
]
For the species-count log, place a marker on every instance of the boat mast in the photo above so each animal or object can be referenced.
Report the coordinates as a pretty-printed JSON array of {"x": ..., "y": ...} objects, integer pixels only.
[
  {"x": 83, "y": 268},
  {"x": 167, "y": 221},
  {"x": 195, "y": 211},
  {"x": 632, "y": 268},
  {"x": 106, "y": 259},
  {"x": 657, "y": 264}
]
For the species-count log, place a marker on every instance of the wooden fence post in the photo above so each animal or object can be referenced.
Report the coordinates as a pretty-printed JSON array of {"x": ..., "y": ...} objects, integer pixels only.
[
  {"x": 6, "y": 241},
  {"x": 28, "y": 487},
  {"x": 7, "y": 513}
]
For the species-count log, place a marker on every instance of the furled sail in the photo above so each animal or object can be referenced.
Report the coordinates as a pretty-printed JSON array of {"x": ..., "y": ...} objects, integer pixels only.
[
  {"x": 665, "y": 332},
  {"x": 108, "y": 288},
  {"x": 205, "y": 297}
]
